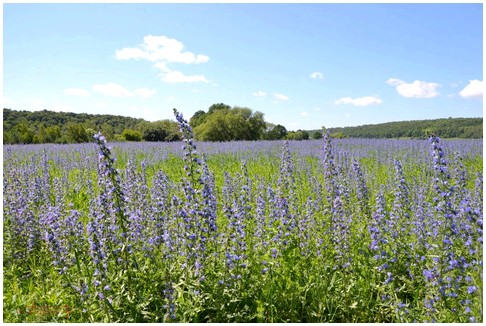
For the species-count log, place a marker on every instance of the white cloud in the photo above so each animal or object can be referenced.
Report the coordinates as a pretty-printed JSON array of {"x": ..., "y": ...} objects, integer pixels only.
[
  {"x": 178, "y": 77},
  {"x": 394, "y": 82},
  {"x": 417, "y": 88},
  {"x": 163, "y": 50},
  {"x": 360, "y": 101},
  {"x": 316, "y": 75},
  {"x": 317, "y": 109},
  {"x": 130, "y": 53},
  {"x": 162, "y": 66},
  {"x": 305, "y": 114},
  {"x": 115, "y": 90},
  {"x": 259, "y": 93},
  {"x": 76, "y": 92},
  {"x": 473, "y": 89},
  {"x": 280, "y": 97},
  {"x": 160, "y": 48}
]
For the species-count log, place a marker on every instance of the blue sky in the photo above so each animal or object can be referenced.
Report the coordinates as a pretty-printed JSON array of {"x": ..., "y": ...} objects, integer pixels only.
[{"x": 302, "y": 65}]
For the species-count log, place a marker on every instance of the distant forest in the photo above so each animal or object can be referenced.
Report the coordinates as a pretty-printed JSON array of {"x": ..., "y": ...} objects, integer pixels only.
[
  {"x": 26, "y": 127},
  {"x": 219, "y": 123},
  {"x": 445, "y": 128}
]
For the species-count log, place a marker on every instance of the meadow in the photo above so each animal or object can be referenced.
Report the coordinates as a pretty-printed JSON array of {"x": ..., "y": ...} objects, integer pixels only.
[{"x": 329, "y": 230}]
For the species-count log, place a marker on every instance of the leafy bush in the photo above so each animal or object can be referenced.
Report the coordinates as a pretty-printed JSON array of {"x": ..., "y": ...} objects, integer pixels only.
[{"x": 132, "y": 135}]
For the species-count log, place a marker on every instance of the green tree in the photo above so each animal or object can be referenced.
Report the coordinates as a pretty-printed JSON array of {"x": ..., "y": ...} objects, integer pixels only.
[
  {"x": 274, "y": 133},
  {"x": 53, "y": 134},
  {"x": 198, "y": 118},
  {"x": 214, "y": 129},
  {"x": 22, "y": 134},
  {"x": 75, "y": 133},
  {"x": 162, "y": 130},
  {"x": 218, "y": 107},
  {"x": 316, "y": 135},
  {"x": 171, "y": 127},
  {"x": 225, "y": 124},
  {"x": 90, "y": 132},
  {"x": 108, "y": 131},
  {"x": 256, "y": 125},
  {"x": 131, "y": 135},
  {"x": 154, "y": 134},
  {"x": 298, "y": 135},
  {"x": 278, "y": 132},
  {"x": 428, "y": 132},
  {"x": 41, "y": 134},
  {"x": 337, "y": 135}
]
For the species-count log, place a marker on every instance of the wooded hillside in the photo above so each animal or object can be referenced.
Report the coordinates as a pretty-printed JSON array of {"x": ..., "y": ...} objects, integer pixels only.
[
  {"x": 220, "y": 123},
  {"x": 25, "y": 127},
  {"x": 445, "y": 128}
]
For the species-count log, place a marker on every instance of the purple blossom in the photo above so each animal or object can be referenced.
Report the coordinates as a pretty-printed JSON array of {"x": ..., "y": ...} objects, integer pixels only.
[{"x": 471, "y": 289}]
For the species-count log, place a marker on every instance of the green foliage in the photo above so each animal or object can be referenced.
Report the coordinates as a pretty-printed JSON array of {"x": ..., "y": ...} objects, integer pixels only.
[
  {"x": 218, "y": 107},
  {"x": 223, "y": 123},
  {"x": 337, "y": 135},
  {"x": 53, "y": 134},
  {"x": 446, "y": 128},
  {"x": 302, "y": 283},
  {"x": 316, "y": 135},
  {"x": 198, "y": 118},
  {"x": 24, "y": 127},
  {"x": 220, "y": 123},
  {"x": 297, "y": 135},
  {"x": 162, "y": 130},
  {"x": 275, "y": 133},
  {"x": 154, "y": 134},
  {"x": 75, "y": 133},
  {"x": 21, "y": 133},
  {"x": 132, "y": 135},
  {"x": 107, "y": 130}
]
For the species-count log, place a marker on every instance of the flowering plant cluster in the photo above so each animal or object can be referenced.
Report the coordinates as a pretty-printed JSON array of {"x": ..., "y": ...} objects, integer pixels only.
[{"x": 318, "y": 231}]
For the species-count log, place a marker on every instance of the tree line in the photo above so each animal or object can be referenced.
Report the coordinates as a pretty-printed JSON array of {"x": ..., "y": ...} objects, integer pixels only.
[
  {"x": 220, "y": 122},
  {"x": 25, "y": 127},
  {"x": 445, "y": 128}
]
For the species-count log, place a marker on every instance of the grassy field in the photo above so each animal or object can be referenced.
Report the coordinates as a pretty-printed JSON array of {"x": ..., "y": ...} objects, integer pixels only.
[{"x": 311, "y": 231}]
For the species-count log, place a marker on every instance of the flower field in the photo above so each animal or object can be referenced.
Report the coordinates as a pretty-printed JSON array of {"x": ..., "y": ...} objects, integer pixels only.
[{"x": 328, "y": 230}]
